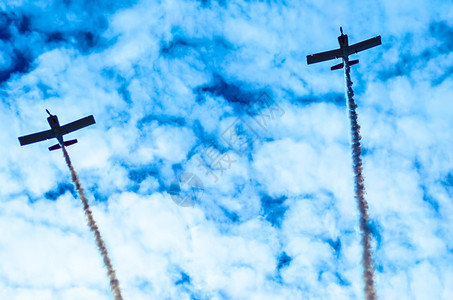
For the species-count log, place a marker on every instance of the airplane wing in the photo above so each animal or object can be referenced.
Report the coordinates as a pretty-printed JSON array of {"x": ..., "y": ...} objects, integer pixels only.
[
  {"x": 328, "y": 55},
  {"x": 370, "y": 43},
  {"x": 36, "y": 137},
  {"x": 76, "y": 125}
]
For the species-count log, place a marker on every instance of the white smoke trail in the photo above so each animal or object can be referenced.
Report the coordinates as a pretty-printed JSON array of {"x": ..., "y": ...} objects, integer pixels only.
[
  {"x": 368, "y": 273},
  {"x": 114, "y": 283}
]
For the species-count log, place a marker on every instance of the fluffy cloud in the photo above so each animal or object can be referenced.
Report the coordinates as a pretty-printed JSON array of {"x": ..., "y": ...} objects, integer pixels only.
[{"x": 165, "y": 83}]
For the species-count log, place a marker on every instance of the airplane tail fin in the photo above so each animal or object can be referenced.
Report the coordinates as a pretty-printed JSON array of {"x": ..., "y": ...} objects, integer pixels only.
[
  {"x": 67, "y": 143},
  {"x": 341, "y": 65}
]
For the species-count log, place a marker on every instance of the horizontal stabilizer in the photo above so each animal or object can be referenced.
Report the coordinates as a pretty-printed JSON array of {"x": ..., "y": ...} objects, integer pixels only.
[
  {"x": 69, "y": 143},
  {"x": 55, "y": 147},
  {"x": 341, "y": 65},
  {"x": 353, "y": 62},
  {"x": 337, "y": 67}
]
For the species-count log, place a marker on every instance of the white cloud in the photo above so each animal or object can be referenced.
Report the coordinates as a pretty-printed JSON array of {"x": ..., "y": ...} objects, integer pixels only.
[{"x": 150, "y": 84}]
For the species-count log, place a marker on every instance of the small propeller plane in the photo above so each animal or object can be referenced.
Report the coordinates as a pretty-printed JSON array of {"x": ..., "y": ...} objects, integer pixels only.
[
  {"x": 57, "y": 131},
  {"x": 344, "y": 51}
]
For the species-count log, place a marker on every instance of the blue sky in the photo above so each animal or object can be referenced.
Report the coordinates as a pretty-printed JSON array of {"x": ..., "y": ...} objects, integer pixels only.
[{"x": 166, "y": 82}]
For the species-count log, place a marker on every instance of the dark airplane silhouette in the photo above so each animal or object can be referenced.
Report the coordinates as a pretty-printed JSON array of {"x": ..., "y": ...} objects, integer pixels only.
[
  {"x": 57, "y": 131},
  {"x": 344, "y": 51}
]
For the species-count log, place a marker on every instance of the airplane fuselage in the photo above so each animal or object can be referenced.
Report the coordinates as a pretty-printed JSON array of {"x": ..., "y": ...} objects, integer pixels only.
[
  {"x": 345, "y": 52},
  {"x": 56, "y": 128},
  {"x": 344, "y": 45}
]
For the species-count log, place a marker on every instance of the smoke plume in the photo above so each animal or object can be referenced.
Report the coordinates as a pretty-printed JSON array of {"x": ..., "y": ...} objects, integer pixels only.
[
  {"x": 114, "y": 283},
  {"x": 368, "y": 273}
]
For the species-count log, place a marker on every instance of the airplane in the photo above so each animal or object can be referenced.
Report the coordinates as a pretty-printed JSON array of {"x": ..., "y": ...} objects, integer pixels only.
[
  {"x": 344, "y": 51},
  {"x": 57, "y": 131}
]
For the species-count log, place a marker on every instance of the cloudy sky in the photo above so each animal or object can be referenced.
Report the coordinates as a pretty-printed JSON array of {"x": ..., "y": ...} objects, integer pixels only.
[{"x": 188, "y": 208}]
